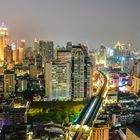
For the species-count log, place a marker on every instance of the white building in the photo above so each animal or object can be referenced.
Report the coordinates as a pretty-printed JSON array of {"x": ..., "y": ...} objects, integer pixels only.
[{"x": 57, "y": 81}]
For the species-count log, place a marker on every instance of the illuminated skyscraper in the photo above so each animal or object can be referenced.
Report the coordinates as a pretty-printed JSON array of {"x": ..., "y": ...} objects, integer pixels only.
[
  {"x": 36, "y": 47},
  {"x": 3, "y": 41},
  {"x": 22, "y": 44},
  {"x": 20, "y": 57},
  {"x": 9, "y": 82},
  {"x": 46, "y": 50},
  {"x": 79, "y": 71},
  {"x": 57, "y": 80},
  {"x": 102, "y": 55}
]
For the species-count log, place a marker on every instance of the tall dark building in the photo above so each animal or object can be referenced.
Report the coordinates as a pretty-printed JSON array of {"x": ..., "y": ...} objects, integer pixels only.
[
  {"x": 79, "y": 77},
  {"x": 46, "y": 50}
]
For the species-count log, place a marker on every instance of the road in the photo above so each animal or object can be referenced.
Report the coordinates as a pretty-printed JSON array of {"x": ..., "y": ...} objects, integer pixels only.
[{"x": 89, "y": 113}]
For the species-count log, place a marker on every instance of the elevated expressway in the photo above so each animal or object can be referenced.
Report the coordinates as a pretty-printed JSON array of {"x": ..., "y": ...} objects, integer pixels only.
[{"x": 90, "y": 111}]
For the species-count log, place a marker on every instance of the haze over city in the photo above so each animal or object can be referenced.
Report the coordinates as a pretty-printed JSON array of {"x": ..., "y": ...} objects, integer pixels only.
[
  {"x": 91, "y": 22},
  {"x": 70, "y": 70}
]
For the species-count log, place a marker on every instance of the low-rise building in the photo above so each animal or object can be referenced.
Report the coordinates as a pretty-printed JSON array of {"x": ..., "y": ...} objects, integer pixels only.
[
  {"x": 133, "y": 132},
  {"x": 100, "y": 132}
]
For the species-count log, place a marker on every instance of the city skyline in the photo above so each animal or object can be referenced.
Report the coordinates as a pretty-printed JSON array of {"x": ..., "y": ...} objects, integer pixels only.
[{"x": 89, "y": 22}]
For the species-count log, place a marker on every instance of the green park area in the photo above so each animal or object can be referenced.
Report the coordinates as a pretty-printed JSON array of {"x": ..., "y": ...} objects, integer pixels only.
[{"x": 57, "y": 111}]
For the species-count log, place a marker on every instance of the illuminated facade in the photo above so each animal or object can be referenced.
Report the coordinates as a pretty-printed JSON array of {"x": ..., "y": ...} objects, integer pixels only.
[
  {"x": 46, "y": 51},
  {"x": 102, "y": 55},
  {"x": 79, "y": 71},
  {"x": 3, "y": 41},
  {"x": 20, "y": 55},
  {"x": 33, "y": 71},
  {"x": 9, "y": 82},
  {"x": 57, "y": 78},
  {"x": 100, "y": 132},
  {"x": 64, "y": 55}
]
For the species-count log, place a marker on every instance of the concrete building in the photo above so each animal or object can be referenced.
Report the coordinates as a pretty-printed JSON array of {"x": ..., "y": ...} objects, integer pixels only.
[
  {"x": 33, "y": 71},
  {"x": 80, "y": 63},
  {"x": 20, "y": 55},
  {"x": 135, "y": 74},
  {"x": 100, "y": 132},
  {"x": 46, "y": 51},
  {"x": 3, "y": 41},
  {"x": 102, "y": 55},
  {"x": 22, "y": 84},
  {"x": 9, "y": 82},
  {"x": 64, "y": 55},
  {"x": 133, "y": 132},
  {"x": 12, "y": 116},
  {"x": 57, "y": 81}
]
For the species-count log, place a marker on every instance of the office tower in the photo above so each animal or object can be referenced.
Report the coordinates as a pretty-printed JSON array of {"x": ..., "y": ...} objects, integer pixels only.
[
  {"x": 100, "y": 132},
  {"x": 102, "y": 55},
  {"x": 64, "y": 55},
  {"x": 15, "y": 52},
  {"x": 69, "y": 46},
  {"x": 22, "y": 84},
  {"x": 33, "y": 71},
  {"x": 46, "y": 51},
  {"x": 79, "y": 71},
  {"x": 57, "y": 80},
  {"x": 8, "y": 55},
  {"x": 36, "y": 47},
  {"x": 136, "y": 77},
  {"x": 118, "y": 50},
  {"x": 3, "y": 41},
  {"x": 20, "y": 55},
  {"x": 9, "y": 82},
  {"x": 48, "y": 78},
  {"x": 23, "y": 44}
]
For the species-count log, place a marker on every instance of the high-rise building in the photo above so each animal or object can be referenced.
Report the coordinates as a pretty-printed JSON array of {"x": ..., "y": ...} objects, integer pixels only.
[
  {"x": 102, "y": 55},
  {"x": 8, "y": 55},
  {"x": 20, "y": 55},
  {"x": 64, "y": 55},
  {"x": 22, "y": 84},
  {"x": 3, "y": 41},
  {"x": 22, "y": 44},
  {"x": 9, "y": 82},
  {"x": 69, "y": 46},
  {"x": 57, "y": 78},
  {"x": 100, "y": 132},
  {"x": 79, "y": 71},
  {"x": 36, "y": 47},
  {"x": 33, "y": 71},
  {"x": 46, "y": 51}
]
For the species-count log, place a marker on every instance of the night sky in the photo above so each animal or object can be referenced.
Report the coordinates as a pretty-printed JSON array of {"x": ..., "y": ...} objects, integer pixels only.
[{"x": 87, "y": 21}]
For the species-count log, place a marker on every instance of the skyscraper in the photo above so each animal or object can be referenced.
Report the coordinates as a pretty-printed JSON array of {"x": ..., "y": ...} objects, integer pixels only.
[
  {"x": 79, "y": 71},
  {"x": 46, "y": 50},
  {"x": 3, "y": 41},
  {"x": 102, "y": 55},
  {"x": 9, "y": 82},
  {"x": 57, "y": 80}
]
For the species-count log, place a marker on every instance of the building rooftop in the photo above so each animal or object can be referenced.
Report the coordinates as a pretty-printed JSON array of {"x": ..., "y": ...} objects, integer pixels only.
[{"x": 135, "y": 128}]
